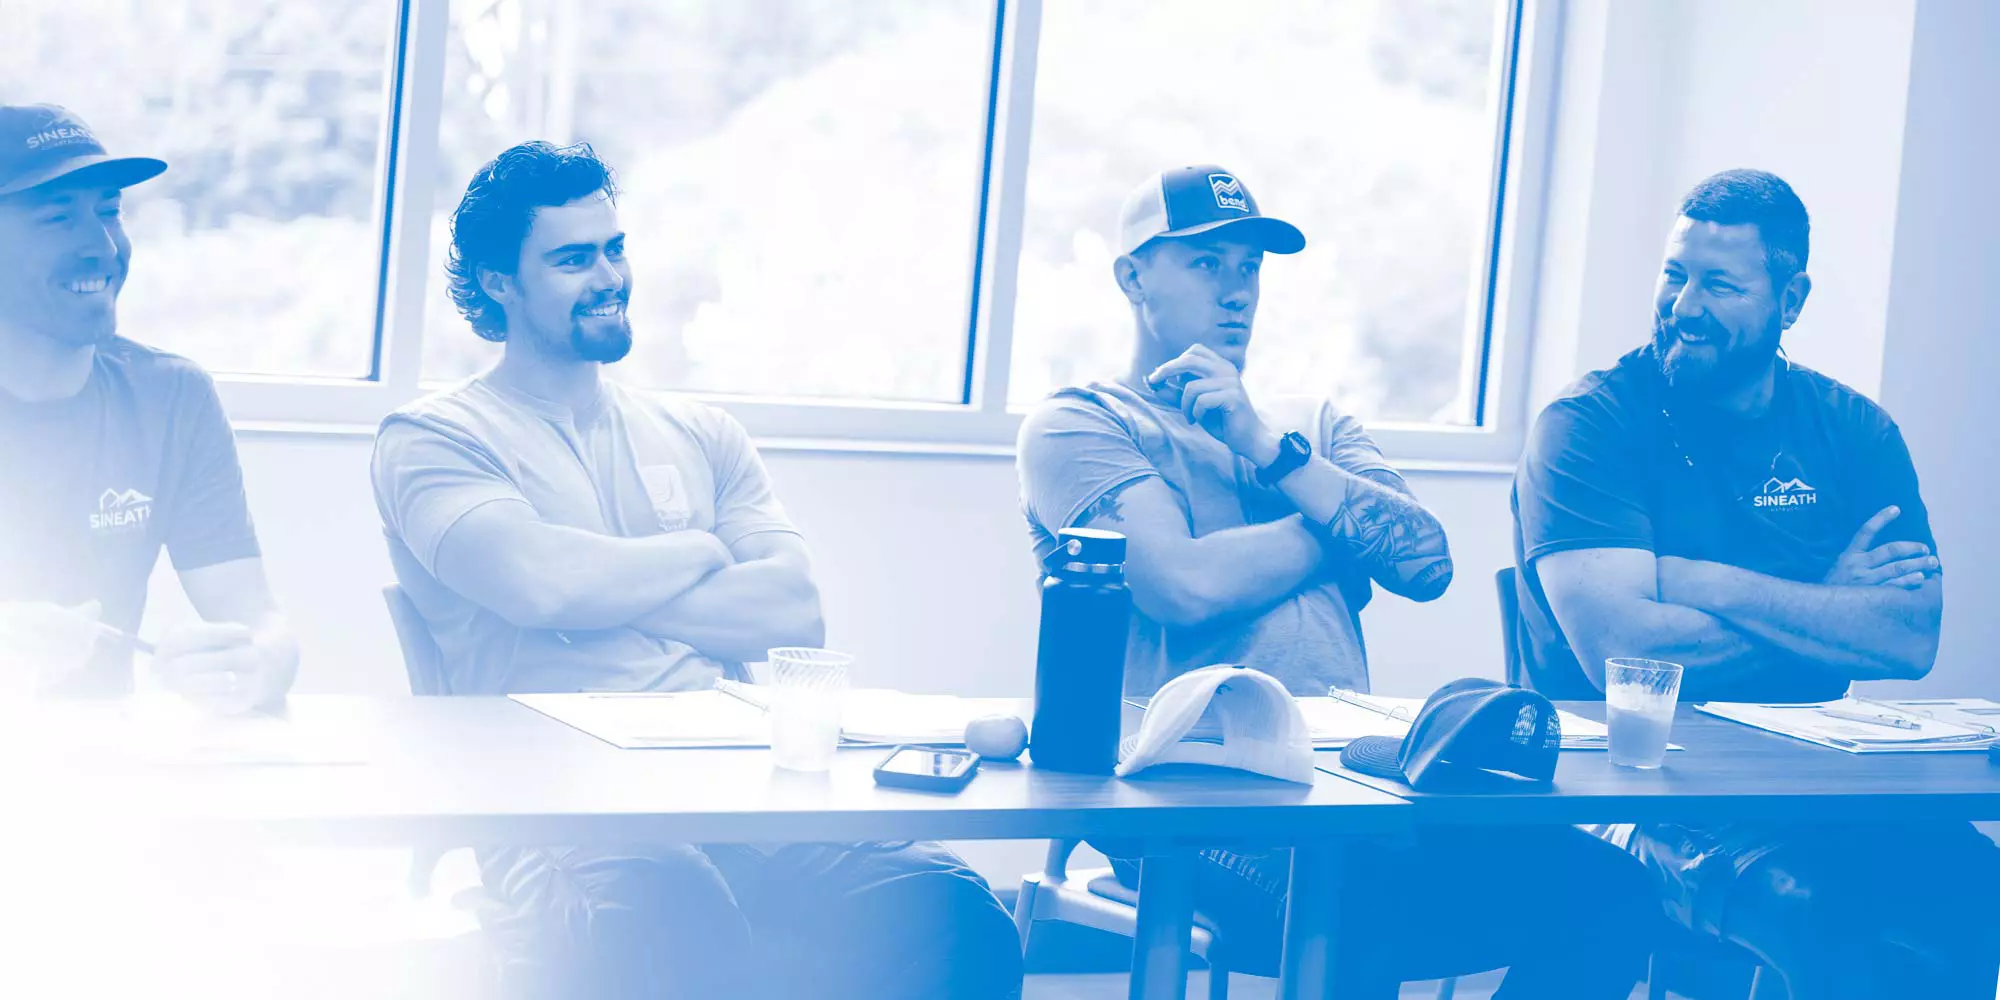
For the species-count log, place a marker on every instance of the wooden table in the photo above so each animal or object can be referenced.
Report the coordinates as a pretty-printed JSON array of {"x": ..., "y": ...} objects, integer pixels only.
[
  {"x": 452, "y": 771},
  {"x": 1728, "y": 771}
]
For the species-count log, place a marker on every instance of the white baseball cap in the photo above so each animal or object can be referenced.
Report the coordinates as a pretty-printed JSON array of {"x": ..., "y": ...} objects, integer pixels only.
[{"x": 1223, "y": 716}]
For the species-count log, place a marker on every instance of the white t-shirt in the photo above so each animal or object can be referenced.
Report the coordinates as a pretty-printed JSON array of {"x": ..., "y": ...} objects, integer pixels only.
[{"x": 635, "y": 464}]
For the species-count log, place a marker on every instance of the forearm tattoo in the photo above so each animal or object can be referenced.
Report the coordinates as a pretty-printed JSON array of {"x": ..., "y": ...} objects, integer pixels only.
[{"x": 1383, "y": 528}]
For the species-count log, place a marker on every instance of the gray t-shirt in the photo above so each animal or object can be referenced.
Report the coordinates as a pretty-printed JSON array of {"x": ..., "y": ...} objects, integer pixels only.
[
  {"x": 1082, "y": 443},
  {"x": 634, "y": 464},
  {"x": 93, "y": 486}
]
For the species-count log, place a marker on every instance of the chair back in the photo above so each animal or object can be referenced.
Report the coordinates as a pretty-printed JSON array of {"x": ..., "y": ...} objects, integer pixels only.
[
  {"x": 1510, "y": 625},
  {"x": 422, "y": 660}
]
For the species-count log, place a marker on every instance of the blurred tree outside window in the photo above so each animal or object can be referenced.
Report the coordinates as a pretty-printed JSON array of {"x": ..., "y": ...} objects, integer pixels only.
[
  {"x": 802, "y": 178},
  {"x": 1366, "y": 123},
  {"x": 259, "y": 250}
]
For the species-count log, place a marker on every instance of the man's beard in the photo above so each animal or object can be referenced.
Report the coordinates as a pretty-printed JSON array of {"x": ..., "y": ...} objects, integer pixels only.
[
  {"x": 592, "y": 338},
  {"x": 1732, "y": 367},
  {"x": 596, "y": 343}
]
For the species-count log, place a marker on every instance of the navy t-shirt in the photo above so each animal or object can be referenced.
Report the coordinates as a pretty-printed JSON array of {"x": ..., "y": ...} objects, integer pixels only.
[
  {"x": 96, "y": 484},
  {"x": 1616, "y": 463}
]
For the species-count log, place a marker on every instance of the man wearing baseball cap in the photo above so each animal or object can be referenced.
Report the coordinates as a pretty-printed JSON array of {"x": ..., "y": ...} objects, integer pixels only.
[
  {"x": 113, "y": 450},
  {"x": 1256, "y": 532}
]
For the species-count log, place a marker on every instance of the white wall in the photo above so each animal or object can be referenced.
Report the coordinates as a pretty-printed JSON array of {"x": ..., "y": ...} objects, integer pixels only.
[
  {"x": 1937, "y": 377},
  {"x": 1657, "y": 95}
]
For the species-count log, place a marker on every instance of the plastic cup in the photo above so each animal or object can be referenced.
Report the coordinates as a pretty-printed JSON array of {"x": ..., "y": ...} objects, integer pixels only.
[
  {"x": 1639, "y": 700},
  {"x": 807, "y": 689}
]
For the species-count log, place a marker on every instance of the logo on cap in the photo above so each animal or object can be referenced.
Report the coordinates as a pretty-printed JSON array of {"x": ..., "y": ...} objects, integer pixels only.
[
  {"x": 1228, "y": 192},
  {"x": 66, "y": 135}
]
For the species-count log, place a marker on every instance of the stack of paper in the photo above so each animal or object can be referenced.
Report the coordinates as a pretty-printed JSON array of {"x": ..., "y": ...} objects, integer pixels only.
[{"x": 1860, "y": 725}]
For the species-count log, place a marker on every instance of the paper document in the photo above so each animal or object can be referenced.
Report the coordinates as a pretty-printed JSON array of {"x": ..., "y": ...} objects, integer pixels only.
[
  {"x": 633, "y": 720},
  {"x": 732, "y": 715},
  {"x": 1859, "y": 725},
  {"x": 1345, "y": 716},
  {"x": 1976, "y": 714}
]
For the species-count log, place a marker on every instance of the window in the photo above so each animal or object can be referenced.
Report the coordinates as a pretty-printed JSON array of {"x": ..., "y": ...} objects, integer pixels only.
[
  {"x": 886, "y": 221},
  {"x": 1367, "y": 124},
  {"x": 259, "y": 251},
  {"x": 801, "y": 180}
]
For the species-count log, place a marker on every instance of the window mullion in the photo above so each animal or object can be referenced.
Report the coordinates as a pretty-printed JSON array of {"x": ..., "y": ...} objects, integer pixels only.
[
  {"x": 420, "y": 93},
  {"x": 1006, "y": 208}
]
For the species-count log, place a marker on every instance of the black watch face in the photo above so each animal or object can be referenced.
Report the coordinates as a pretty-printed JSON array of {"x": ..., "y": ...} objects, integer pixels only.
[{"x": 1293, "y": 451}]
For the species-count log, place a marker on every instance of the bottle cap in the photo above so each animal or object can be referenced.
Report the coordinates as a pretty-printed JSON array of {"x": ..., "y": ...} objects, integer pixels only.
[{"x": 1090, "y": 546}]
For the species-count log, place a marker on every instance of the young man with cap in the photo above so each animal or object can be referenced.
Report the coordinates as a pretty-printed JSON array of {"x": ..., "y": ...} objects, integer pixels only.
[
  {"x": 562, "y": 533},
  {"x": 112, "y": 451},
  {"x": 1708, "y": 501},
  {"x": 1255, "y": 534}
]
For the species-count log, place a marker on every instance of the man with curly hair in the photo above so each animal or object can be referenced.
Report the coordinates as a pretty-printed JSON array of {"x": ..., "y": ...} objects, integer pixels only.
[{"x": 560, "y": 532}]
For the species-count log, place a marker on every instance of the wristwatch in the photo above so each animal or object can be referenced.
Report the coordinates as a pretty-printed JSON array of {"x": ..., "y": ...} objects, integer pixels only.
[{"x": 1293, "y": 453}]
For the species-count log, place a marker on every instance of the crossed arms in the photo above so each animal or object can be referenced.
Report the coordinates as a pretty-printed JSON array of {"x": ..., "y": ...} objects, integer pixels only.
[
  {"x": 1874, "y": 616},
  {"x": 731, "y": 603},
  {"x": 1180, "y": 579}
]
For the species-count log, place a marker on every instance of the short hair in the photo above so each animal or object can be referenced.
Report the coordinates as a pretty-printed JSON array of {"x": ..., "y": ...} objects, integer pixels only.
[
  {"x": 1762, "y": 199},
  {"x": 498, "y": 208}
]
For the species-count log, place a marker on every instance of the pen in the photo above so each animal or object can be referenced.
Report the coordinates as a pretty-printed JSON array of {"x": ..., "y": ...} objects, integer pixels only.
[
  {"x": 131, "y": 640},
  {"x": 1873, "y": 720}
]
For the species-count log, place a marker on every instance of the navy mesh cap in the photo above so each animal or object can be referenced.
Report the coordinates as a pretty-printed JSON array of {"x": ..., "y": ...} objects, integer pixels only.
[{"x": 1468, "y": 731}]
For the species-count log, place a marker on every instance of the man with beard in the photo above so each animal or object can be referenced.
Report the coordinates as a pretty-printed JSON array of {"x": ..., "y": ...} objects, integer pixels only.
[
  {"x": 1255, "y": 532},
  {"x": 110, "y": 451},
  {"x": 1708, "y": 501},
  {"x": 559, "y": 532}
]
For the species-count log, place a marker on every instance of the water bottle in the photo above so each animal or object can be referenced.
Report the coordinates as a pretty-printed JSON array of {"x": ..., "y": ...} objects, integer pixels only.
[{"x": 1080, "y": 661}]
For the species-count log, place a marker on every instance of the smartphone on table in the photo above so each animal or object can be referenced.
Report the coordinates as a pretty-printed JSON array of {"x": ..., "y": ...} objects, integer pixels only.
[{"x": 927, "y": 769}]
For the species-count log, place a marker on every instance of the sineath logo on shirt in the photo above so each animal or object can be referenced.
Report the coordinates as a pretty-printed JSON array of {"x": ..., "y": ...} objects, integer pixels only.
[
  {"x": 1786, "y": 493},
  {"x": 121, "y": 510}
]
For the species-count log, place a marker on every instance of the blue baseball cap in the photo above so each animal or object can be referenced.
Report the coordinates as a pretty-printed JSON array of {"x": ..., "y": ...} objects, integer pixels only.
[
  {"x": 1469, "y": 732},
  {"x": 1185, "y": 201},
  {"x": 42, "y": 143}
]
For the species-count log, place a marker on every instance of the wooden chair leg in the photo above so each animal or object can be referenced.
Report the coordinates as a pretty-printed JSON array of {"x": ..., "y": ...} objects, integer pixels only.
[
  {"x": 1447, "y": 988},
  {"x": 1218, "y": 981}
]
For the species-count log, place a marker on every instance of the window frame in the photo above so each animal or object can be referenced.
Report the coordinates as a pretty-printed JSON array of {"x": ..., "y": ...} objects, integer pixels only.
[{"x": 1521, "y": 105}]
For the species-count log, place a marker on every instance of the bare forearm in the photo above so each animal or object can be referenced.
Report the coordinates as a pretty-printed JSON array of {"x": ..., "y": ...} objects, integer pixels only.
[
  {"x": 1868, "y": 633},
  {"x": 741, "y": 611},
  {"x": 592, "y": 581},
  {"x": 1235, "y": 572},
  {"x": 1712, "y": 655},
  {"x": 1378, "y": 525},
  {"x": 1179, "y": 579}
]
